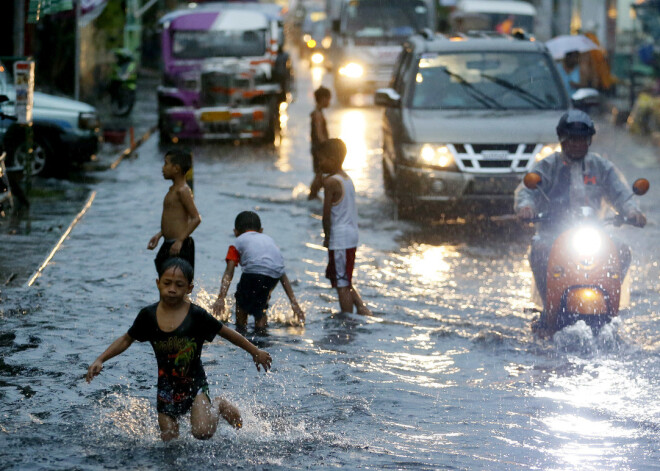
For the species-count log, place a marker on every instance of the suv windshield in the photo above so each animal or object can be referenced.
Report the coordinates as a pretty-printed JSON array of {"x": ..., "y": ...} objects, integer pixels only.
[
  {"x": 478, "y": 80},
  {"x": 203, "y": 44},
  {"x": 378, "y": 18}
]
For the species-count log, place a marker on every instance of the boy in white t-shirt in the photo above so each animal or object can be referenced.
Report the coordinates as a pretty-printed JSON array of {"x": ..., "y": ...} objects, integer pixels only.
[
  {"x": 262, "y": 267},
  {"x": 340, "y": 225}
]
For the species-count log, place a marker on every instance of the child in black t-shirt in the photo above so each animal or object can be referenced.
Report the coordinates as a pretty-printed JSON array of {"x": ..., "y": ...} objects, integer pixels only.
[{"x": 177, "y": 329}]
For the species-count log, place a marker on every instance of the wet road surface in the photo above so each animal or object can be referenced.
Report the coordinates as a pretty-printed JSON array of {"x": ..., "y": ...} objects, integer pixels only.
[{"x": 446, "y": 375}]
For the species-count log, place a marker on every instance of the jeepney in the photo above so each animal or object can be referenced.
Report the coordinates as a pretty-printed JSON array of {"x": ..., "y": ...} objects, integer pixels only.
[{"x": 219, "y": 76}]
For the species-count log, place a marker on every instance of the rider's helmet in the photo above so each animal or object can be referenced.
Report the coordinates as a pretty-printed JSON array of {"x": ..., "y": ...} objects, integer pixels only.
[{"x": 575, "y": 123}]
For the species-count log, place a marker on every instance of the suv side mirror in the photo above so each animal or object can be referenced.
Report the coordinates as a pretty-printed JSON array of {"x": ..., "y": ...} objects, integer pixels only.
[
  {"x": 3, "y": 98},
  {"x": 584, "y": 98},
  {"x": 387, "y": 97}
]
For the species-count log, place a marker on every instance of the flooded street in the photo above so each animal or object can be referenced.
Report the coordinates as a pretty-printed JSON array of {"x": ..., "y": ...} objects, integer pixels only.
[{"x": 445, "y": 375}]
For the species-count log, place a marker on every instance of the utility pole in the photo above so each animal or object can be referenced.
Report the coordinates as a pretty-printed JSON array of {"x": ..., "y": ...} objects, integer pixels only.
[
  {"x": 19, "y": 28},
  {"x": 76, "y": 88}
]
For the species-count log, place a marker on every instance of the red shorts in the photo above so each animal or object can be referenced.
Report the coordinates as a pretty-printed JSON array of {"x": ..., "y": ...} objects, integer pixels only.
[{"x": 340, "y": 267}]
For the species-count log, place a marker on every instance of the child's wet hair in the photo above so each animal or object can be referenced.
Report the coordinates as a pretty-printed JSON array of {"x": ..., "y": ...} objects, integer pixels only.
[
  {"x": 182, "y": 158},
  {"x": 321, "y": 93},
  {"x": 177, "y": 263},
  {"x": 247, "y": 221},
  {"x": 334, "y": 149}
]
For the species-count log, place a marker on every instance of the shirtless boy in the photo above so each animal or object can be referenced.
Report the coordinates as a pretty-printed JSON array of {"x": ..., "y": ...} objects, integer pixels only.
[
  {"x": 340, "y": 225},
  {"x": 180, "y": 216},
  {"x": 177, "y": 330}
]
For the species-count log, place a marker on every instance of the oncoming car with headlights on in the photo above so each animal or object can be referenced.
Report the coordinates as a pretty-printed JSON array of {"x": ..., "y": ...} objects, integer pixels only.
[{"x": 465, "y": 118}]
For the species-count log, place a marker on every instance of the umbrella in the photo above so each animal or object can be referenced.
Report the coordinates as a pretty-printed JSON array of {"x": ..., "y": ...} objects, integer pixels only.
[{"x": 561, "y": 45}]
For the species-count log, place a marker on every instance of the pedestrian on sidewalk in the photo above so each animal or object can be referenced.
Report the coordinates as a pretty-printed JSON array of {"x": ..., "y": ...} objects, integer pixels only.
[
  {"x": 340, "y": 225},
  {"x": 180, "y": 216},
  {"x": 262, "y": 268},
  {"x": 177, "y": 330},
  {"x": 319, "y": 134}
]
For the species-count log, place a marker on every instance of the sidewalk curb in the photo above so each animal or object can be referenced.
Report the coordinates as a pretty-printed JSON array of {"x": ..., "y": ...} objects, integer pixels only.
[{"x": 130, "y": 149}]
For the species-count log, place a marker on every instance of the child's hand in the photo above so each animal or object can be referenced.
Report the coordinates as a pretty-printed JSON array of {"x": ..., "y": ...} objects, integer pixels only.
[
  {"x": 93, "y": 370},
  {"x": 176, "y": 247},
  {"x": 262, "y": 358},
  {"x": 219, "y": 307},
  {"x": 298, "y": 313},
  {"x": 153, "y": 242}
]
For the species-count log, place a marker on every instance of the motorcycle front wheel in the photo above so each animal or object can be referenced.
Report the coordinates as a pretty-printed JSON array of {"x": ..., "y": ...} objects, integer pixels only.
[{"x": 122, "y": 102}]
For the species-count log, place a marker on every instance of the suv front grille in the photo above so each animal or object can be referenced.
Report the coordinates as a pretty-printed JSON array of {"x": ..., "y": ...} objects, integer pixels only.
[{"x": 493, "y": 158}]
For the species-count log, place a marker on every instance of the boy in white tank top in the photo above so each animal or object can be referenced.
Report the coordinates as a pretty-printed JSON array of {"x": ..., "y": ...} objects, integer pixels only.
[{"x": 340, "y": 225}]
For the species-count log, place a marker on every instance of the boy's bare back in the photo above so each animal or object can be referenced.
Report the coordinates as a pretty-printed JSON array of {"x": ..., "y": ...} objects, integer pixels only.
[{"x": 178, "y": 210}]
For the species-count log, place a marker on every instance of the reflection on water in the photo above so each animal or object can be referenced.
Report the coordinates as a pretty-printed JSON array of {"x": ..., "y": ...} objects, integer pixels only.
[
  {"x": 317, "y": 76},
  {"x": 353, "y": 133},
  {"x": 430, "y": 263}
]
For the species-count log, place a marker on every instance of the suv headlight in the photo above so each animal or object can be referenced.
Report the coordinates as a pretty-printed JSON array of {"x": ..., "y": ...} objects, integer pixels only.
[
  {"x": 352, "y": 70},
  {"x": 430, "y": 155},
  {"x": 89, "y": 120},
  {"x": 546, "y": 151}
]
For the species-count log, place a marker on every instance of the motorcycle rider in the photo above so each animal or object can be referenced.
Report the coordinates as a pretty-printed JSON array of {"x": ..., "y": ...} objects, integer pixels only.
[{"x": 571, "y": 179}]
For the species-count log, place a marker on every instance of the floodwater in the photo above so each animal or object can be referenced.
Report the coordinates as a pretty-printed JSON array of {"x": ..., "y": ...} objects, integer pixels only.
[{"x": 445, "y": 375}]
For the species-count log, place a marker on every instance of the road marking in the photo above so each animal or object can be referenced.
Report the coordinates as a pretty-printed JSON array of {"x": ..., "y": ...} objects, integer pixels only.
[{"x": 82, "y": 212}]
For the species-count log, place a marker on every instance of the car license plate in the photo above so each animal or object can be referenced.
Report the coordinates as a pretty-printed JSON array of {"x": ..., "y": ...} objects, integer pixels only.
[
  {"x": 495, "y": 154},
  {"x": 215, "y": 116}
]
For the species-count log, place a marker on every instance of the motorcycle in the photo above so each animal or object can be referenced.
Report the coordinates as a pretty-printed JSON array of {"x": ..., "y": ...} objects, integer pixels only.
[
  {"x": 585, "y": 272},
  {"x": 123, "y": 83}
]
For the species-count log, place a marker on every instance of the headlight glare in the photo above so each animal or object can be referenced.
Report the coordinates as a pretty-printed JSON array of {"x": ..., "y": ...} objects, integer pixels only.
[
  {"x": 587, "y": 242},
  {"x": 546, "y": 151},
  {"x": 352, "y": 70},
  {"x": 433, "y": 155}
]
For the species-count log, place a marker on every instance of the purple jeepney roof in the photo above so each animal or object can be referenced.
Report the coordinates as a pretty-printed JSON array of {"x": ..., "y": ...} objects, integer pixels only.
[{"x": 206, "y": 16}]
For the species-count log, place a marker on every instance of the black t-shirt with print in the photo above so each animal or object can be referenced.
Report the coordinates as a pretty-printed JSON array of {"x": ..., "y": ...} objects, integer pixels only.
[{"x": 178, "y": 353}]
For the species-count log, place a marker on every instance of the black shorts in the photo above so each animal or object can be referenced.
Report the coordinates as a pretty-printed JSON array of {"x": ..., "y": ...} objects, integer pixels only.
[
  {"x": 253, "y": 293},
  {"x": 187, "y": 252},
  {"x": 176, "y": 405}
]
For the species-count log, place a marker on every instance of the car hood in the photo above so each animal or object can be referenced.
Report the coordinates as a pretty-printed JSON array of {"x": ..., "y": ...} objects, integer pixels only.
[
  {"x": 45, "y": 101},
  {"x": 487, "y": 126}
]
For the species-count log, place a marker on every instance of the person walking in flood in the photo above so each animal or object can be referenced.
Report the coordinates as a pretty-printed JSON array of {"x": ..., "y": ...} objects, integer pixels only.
[
  {"x": 177, "y": 330},
  {"x": 319, "y": 135},
  {"x": 263, "y": 267},
  {"x": 340, "y": 225},
  {"x": 180, "y": 216}
]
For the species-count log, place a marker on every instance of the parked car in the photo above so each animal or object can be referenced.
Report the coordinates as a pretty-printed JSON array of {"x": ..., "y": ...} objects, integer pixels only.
[
  {"x": 466, "y": 119},
  {"x": 65, "y": 131}
]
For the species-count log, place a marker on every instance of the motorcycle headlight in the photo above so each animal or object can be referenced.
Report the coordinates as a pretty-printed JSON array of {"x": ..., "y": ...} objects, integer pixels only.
[
  {"x": 352, "y": 70},
  {"x": 587, "y": 242},
  {"x": 546, "y": 151},
  {"x": 88, "y": 120},
  {"x": 317, "y": 58},
  {"x": 431, "y": 155}
]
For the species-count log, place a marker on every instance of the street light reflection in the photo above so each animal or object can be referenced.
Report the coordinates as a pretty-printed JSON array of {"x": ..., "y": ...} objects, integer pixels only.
[
  {"x": 353, "y": 133},
  {"x": 430, "y": 263},
  {"x": 317, "y": 76}
]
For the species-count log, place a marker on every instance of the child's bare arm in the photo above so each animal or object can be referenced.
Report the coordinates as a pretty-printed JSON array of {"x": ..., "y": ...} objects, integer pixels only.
[
  {"x": 317, "y": 122},
  {"x": 297, "y": 311},
  {"x": 260, "y": 357},
  {"x": 219, "y": 305},
  {"x": 331, "y": 190},
  {"x": 117, "y": 347},
  {"x": 153, "y": 242}
]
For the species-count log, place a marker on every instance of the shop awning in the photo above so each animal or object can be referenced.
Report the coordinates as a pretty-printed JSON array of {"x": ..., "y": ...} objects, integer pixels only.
[{"x": 90, "y": 9}]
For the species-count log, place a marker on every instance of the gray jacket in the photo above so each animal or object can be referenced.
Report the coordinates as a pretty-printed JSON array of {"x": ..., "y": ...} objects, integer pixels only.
[{"x": 602, "y": 183}]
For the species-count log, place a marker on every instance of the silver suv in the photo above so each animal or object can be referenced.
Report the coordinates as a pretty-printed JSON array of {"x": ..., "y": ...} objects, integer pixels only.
[
  {"x": 65, "y": 131},
  {"x": 465, "y": 118}
]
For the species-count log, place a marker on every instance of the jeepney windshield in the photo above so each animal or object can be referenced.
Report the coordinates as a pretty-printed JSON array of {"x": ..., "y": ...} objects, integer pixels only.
[
  {"x": 205, "y": 44},
  {"x": 378, "y": 18}
]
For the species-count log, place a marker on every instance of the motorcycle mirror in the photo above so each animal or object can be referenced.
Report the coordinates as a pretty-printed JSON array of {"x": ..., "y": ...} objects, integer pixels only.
[
  {"x": 641, "y": 186},
  {"x": 532, "y": 180}
]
